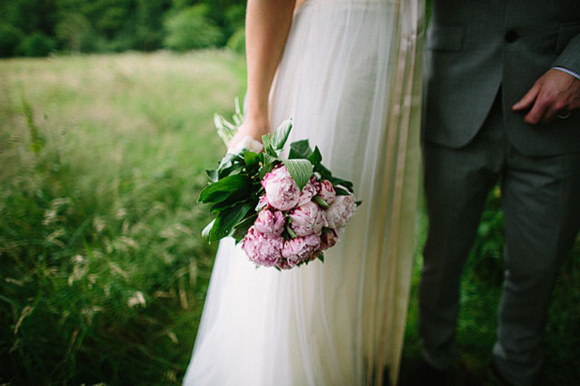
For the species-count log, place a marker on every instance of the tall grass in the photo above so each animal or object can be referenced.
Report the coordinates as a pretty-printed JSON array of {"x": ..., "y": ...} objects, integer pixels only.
[{"x": 103, "y": 271}]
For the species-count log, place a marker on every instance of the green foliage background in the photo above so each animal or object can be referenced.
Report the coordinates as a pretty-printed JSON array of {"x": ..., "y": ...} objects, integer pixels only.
[{"x": 36, "y": 28}]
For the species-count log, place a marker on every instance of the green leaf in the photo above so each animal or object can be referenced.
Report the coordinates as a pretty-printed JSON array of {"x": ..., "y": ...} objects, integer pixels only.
[
  {"x": 228, "y": 159},
  {"x": 226, "y": 220},
  {"x": 246, "y": 222},
  {"x": 281, "y": 134},
  {"x": 266, "y": 141},
  {"x": 300, "y": 149},
  {"x": 343, "y": 183},
  {"x": 238, "y": 235},
  {"x": 251, "y": 159},
  {"x": 224, "y": 205},
  {"x": 300, "y": 170},
  {"x": 225, "y": 130},
  {"x": 321, "y": 257},
  {"x": 316, "y": 157},
  {"x": 231, "y": 157},
  {"x": 325, "y": 174},
  {"x": 235, "y": 168},
  {"x": 323, "y": 204},
  {"x": 213, "y": 175},
  {"x": 268, "y": 149},
  {"x": 241, "y": 228},
  {"x": 267, "y": 168},
  {"x": 238, "y": 115},
  {"x": 341, "y": 192},
  {"x": 217, "y": 121},
  {"x": 290, "y": 231},
  {"x": 228, "y": 188},
  {"x": 230, "y": 164},
  {"x": 207, "y": 229},
  {"x": 269, "y": 160}
]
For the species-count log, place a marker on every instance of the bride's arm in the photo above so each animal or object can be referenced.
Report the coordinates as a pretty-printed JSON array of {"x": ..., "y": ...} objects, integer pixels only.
[{"x": 267, "y": 26}]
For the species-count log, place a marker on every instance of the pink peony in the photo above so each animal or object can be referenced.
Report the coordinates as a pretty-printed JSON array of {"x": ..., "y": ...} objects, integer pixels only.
[
  {"x": 281, "y": 190},
  {"x": 262, "y": 250},
  {"x": 328, "y": 238},
  {"x": 284, "y": 264},
  {"x": 327, "y": 192},
  {"x": 307, "y": 219},
  {"x": 270, "y": 223},
  {"x": 309, "y": 191},
  {"x": 301, "y": 249},
  {"x": 340, "y": 212}
]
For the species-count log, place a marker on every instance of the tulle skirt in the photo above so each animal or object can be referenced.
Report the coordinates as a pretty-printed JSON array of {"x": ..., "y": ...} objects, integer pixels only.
[{"x": 350, "y": 79}]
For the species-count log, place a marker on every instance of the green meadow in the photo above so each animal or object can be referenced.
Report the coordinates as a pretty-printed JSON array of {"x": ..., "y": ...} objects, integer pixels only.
[{"x": 103, "y": 271}]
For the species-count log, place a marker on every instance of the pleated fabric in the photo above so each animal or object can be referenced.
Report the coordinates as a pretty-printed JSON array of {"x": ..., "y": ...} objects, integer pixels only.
[{"x": 350, "y": 78}]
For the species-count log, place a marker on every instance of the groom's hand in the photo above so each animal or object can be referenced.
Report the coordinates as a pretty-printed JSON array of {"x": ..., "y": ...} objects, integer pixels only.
[{"x": 555, "y": 93}]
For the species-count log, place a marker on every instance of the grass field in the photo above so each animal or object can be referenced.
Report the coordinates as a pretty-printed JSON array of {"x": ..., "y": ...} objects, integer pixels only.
[{"x": 102, "y": 268}]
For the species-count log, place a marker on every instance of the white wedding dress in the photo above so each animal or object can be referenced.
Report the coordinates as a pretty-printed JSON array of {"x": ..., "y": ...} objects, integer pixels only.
[{"x": 350, "y": 77}]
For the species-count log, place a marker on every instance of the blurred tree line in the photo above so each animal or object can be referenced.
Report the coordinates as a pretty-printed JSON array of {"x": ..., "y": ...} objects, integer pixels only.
[{"x": 38, "y": 27}]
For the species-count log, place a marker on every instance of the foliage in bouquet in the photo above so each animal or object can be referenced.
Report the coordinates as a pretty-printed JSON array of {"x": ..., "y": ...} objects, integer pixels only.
[{"x": 284, "y": 211}]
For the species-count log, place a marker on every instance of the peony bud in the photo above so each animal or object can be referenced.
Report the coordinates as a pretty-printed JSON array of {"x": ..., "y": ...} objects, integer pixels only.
[
  {"x": 309, "y": 191},
  {"x": 328, "y": 238},
  {"x": 307, "y": 219},
  {"x": 270, "y": 223},
  {"x": 282, "y": 192},
  {"x": 327, "y": 192},
  {"x": 301, "y": 249},
  {"x": 262, "y": 250},
  {"x": 340, "y": 212}
]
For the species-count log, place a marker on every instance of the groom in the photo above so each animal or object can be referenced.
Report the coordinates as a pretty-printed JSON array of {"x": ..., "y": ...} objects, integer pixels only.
[{"x": 502, "y": 99}]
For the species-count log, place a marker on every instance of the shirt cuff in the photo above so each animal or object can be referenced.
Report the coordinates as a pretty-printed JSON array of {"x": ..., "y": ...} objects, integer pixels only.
[{"x": 569, "y": 72}]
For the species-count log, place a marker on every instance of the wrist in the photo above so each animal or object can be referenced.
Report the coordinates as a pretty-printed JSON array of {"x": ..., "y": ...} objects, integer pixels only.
[
  {"x": 258, "y": 124},
  {"x": 257, "y": 104}
]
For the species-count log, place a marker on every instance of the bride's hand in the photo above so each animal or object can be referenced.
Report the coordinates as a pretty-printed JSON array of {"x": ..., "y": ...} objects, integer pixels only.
[{"x": 252, "y": 128}]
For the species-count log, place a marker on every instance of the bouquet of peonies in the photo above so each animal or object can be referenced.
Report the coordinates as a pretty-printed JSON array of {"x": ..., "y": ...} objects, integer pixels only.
[{"x": 285, "y": 212}]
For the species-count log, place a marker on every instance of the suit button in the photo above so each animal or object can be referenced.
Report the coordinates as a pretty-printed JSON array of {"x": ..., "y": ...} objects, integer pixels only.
[{"x": 511, "y": 36}]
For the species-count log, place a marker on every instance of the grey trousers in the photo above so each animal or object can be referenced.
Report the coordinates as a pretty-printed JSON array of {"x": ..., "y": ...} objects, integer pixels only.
[{"x": 541, "y": 204}]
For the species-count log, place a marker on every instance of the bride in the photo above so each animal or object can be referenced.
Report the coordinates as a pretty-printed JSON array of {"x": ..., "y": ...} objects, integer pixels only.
[{"x": 348, "y": 73}]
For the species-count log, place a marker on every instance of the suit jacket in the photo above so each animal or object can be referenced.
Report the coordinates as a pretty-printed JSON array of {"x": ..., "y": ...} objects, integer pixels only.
[{"x": 476, "y": 46}]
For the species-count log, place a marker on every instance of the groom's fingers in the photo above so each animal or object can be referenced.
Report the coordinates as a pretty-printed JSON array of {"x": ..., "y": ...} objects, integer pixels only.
[
  {"x": 555, "y": 93},
  {"x": 550, "y": 113},
  {"x": 528, "y": 99}
]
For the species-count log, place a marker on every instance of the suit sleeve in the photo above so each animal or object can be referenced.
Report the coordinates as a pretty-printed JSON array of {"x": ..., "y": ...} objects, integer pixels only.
[{"x": 570, "y": 56}]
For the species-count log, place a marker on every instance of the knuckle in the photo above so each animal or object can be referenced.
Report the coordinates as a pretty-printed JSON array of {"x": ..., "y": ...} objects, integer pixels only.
[
  {"x": 546, "y": 99},
  {"x": 561, "y": 104},
  {"x": 532, "y": 118}
]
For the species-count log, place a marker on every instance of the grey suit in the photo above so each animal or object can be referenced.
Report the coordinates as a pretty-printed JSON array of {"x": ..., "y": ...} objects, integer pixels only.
[
  {"x": 476, "y": 45},
  {"x": 482, "y": 57}
]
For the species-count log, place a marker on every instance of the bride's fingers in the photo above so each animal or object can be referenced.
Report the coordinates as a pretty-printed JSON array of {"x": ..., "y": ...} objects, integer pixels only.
[
  {"x": 244, "y": 139},
  {"x": 235, "y": 140}
]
